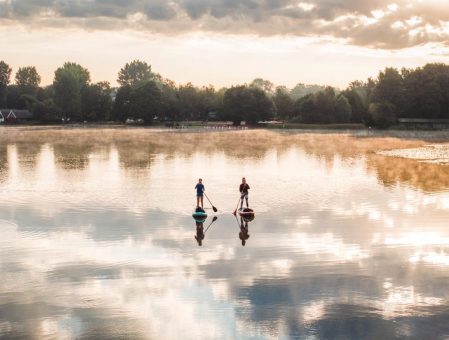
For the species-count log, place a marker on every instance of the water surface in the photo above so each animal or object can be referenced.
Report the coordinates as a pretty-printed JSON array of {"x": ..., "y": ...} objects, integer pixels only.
[{"x": 98, "y": 239}]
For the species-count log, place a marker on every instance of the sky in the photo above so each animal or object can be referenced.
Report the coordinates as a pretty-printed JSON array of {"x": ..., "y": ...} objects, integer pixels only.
[{"x": 226, "y": 42}]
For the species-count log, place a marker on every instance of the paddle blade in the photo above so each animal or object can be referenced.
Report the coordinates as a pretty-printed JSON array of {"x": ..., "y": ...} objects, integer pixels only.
[
  {"x": 215, "y": 209},
  {"x": 214, "y": 219}
]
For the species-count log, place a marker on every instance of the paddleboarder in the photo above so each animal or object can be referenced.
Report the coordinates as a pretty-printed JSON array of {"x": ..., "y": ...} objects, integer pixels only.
[
  {"x": 199, "y": 193},
  {"x": 244, "y": 187}
]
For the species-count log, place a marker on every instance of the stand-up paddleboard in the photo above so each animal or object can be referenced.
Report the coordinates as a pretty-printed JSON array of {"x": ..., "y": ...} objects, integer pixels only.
[
  {"x": 247, "y": 213},
  {"x": 199, "y": 214}
]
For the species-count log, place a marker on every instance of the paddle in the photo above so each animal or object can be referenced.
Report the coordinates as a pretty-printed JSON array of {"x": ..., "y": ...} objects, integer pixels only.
[
  {"x": 215, "y": 209},
  {"x": 235, "y": 211},
  {"x": 213, "y": 220}
]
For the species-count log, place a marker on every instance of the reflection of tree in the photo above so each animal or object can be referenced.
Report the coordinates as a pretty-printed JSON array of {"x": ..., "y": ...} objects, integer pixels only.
[
  {"x": 28, "y": 153},
  {"x": 133, "y": 154},
  {"x": 3, "y": 159},
  {"x": 137, "y": 147},
  {"x": 73, "y": 155},
  {"x": 420, "y": 175}
]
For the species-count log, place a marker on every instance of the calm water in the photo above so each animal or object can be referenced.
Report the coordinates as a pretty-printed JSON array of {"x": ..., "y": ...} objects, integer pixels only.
[{"x": 97, "y": 238}]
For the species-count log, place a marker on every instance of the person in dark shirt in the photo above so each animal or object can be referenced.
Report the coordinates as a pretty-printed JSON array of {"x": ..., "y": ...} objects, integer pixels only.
[
  {"x": 244, "y": 187},
  {"x": 199, "y": 193}
]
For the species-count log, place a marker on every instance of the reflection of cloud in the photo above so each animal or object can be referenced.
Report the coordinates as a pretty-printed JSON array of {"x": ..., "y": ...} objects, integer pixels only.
[
  {"x": 89, "y": 281},
  {"x": 432, "y": 258},
  {"x": 404, "y": 301},
  {"x": 418, "y": 238},
  {"x": 314, "y": 311},
  {"x": 275, "y": 268},
  {"x": 118, "y": 256},
  {"x": 326, "y": 246}
]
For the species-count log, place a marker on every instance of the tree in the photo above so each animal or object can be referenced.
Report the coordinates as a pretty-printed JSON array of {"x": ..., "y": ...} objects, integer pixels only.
[
  {"x": 5, "y": 75},
  {"x": 342, "y": 110},
  {"x": 304, "y": 110},
  {"x": 169, "y": 104},
  {"x": 390, "y": 89},
  {"x": 146, "y": 101},
  {"x": 211, "y": 100},
  {"x": 357, "y": 96},
  {"x": 382, "y": 114},
  {"x": 195, "y": 103},
  {"x": 122, "y": 104},
  {"x": 96, "y": 101},
  {"x": 324, "y": 107},
  {"x": 426, "y": 91},
  {"x": 283, "y": 103},
  {"x": 189, "y": 102},
  {"x": 69, "y": 81},
  {"x": 44, "y": 93},
  {"x": 248, "y": 104},
  {"x": 140, "y": 102},
  {"x": 13, "y": 94},
  {"x": 28, "y": 80},
  {"x": 134, "y": 73},
  {"x": 264, "y": 85},
  {"x": 302, "y": 90},
  {"x": 45, "y": 110},
  {"x": 325, "y": 102}
]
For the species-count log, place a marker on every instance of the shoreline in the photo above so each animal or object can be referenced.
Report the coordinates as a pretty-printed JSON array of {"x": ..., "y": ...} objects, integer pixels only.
[
  {"x": 193, "y": 127},
  {"x": 221, "y": 125}
]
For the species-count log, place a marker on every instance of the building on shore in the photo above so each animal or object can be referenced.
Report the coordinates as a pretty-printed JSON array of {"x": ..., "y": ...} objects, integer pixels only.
[{"x": 14, "y": 116}]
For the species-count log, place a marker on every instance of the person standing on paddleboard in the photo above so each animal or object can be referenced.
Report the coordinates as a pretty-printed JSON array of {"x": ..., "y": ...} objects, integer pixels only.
[
  {"x": 244, "y": 187},
  {"x": 199, "y": 193}
]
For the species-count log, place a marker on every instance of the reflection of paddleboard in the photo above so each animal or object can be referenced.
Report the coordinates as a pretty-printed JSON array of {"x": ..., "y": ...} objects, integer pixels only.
[
  {"x": 200, "y": 219},
  {"x": 246, "y": 212},
  {"x": 199, "y": 214}
]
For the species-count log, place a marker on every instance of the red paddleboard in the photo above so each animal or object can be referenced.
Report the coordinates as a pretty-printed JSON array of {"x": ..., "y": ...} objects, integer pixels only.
[{"x": 246, "y": 212}]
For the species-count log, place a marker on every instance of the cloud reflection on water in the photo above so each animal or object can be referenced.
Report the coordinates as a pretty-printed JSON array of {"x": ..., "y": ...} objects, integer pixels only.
[{"x": 101, "y": 246}]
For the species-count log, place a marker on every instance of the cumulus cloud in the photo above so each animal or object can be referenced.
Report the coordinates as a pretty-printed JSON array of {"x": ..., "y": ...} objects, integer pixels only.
[{"x": 375, "y": 23}]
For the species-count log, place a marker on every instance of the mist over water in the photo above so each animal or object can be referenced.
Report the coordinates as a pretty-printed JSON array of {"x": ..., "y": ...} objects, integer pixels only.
[{"x": 98, "y": 238}]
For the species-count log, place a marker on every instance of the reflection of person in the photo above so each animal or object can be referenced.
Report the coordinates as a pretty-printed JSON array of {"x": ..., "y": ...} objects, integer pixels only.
[
  {"x": 199, "y": 237},
  {"x": 243, "y": 235},
  {"x": 199, "y": 193},
  {"x": 244, "y": 187}
]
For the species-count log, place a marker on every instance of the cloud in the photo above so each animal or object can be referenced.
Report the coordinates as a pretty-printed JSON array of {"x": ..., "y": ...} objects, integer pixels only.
[{"x": 379, "y": 23}]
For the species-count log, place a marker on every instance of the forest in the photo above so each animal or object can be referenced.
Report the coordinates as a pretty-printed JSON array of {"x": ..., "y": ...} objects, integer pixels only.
[{"x": 146, "y": 96}]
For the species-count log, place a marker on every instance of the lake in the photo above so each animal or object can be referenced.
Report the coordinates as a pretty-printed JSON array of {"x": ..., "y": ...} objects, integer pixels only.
[{"x": 98, "y": 240}]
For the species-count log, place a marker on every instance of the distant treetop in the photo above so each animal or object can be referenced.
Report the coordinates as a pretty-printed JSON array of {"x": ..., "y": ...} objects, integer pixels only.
[{"x": 135, "y": 73}]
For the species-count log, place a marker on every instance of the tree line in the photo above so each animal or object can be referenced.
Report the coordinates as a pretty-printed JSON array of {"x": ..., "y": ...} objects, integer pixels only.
[{"x": 147, "y": 96}]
